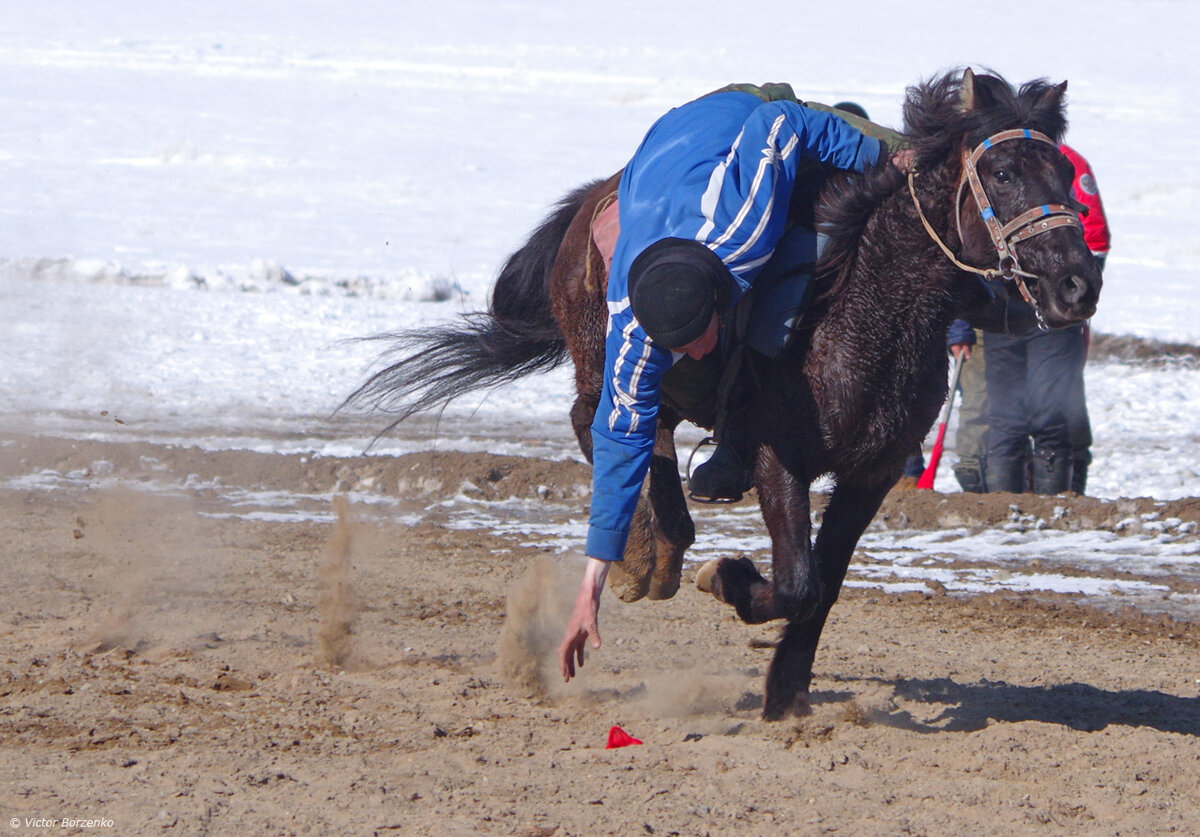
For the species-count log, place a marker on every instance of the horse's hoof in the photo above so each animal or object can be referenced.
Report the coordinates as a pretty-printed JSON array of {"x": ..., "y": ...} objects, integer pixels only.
[
  {"x": 668, "y": 572},
  {"x": 661, "y": 589},
  {"x": 704, "y": 578},
  {"x": 628, "y": 588},
  {"x": 777, "y": 710},
  {"x": 732, "y": 578},
  {"x": 735, "y": 582}
]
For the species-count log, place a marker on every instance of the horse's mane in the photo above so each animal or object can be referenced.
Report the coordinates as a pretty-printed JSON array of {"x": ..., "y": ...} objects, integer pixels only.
[
  {"x": 846, "y": 204},
  {"x": 935, "y": 126}
]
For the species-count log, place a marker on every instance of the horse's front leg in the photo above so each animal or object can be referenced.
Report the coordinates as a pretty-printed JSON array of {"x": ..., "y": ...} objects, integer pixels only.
[
  {"x": 794, "y": 590},
  {"x": 847, "y": 516},
  {"x": 662, "y": 528}
]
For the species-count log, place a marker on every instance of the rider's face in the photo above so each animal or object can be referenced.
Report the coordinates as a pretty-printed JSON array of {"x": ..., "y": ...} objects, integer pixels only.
[{"x": 703, "y": 344}]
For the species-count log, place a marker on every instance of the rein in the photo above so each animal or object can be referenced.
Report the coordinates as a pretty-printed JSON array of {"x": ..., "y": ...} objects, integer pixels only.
[{"x": 1004, "y": 237}]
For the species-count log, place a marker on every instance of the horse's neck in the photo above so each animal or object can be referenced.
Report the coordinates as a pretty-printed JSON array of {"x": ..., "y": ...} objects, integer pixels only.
[
  {"x": 897, "y": 301},
  {"x": 901, "y": 271}
]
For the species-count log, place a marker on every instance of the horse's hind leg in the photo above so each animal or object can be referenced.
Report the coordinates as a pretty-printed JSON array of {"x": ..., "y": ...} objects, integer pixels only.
[
  {"x": 582, "y": 413},
  {"x": 578, "y": 282},
  {"x": 849, "y": 512},
  {"x": 662, "y": 528},
  {"x": 671, "y": 523}
]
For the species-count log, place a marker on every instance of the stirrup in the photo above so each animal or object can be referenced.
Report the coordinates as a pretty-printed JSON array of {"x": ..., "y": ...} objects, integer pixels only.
[{"x": 707, "y": 441}]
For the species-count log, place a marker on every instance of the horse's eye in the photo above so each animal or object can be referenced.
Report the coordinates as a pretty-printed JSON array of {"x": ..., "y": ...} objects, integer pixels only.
[{"x": 1001, "y": 176}]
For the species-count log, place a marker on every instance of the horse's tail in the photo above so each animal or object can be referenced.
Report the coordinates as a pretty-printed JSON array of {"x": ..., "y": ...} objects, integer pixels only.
[{"x": 516, "y": 336}]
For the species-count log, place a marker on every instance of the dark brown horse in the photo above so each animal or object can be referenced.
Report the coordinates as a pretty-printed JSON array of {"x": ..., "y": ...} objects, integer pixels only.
[{"x": 861, "y": 381}]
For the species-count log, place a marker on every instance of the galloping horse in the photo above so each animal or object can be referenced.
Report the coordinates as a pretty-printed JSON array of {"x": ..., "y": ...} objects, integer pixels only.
[{"x": 864, "y": 374}]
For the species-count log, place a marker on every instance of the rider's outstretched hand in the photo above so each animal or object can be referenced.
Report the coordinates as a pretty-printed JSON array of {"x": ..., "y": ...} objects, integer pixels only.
[{"x": 585, "y": 619}]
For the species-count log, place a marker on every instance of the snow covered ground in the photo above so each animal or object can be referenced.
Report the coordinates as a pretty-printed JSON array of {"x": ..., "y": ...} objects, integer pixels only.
[{"x": 204, "y": 203}]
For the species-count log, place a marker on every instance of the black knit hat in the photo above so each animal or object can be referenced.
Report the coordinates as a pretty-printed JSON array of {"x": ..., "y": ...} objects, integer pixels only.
[
  {"x": 852, "y": 108},
  {"x": 675, "y": 286}
]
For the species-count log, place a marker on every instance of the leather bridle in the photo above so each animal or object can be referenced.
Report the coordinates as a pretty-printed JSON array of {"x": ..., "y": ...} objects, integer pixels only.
[{"x": 1005, "y": 237}]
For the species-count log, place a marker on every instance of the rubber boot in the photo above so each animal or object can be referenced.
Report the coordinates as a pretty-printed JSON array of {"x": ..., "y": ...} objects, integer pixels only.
[
  {"x": 1079, "y": 471},
  {"x": 969, "y": 473},
  {"x": 1051, "y": 471},
  {"x": 1006, "y": 473}
]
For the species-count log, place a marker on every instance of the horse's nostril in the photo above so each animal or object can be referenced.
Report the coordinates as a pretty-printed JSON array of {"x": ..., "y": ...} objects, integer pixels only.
[{"x": 1073, "y": 289}]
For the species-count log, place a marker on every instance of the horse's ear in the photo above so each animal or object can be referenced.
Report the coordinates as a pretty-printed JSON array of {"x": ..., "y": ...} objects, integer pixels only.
[
  {"x": 966, "y": 91},
  {"x": 1053, "y": 98}
]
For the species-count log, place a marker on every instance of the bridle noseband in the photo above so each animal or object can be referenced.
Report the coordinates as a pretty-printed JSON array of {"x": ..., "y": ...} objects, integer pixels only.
[{"x": 1004, "y": 237}]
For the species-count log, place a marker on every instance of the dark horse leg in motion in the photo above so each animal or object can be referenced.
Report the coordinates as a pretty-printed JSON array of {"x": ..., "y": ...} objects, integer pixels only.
[
  {"x": 846, "y": 517},
  {"x": 806, "y": 580},
  {"x": 794, "y": 590}
]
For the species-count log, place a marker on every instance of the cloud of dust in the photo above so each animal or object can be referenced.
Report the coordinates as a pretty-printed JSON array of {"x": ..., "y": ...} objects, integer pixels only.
[
  {"x": 535, "y": 615},
  {"x": 681, "y": 694},
  {"x": 142, "y": 550},
  {"x": 537, "y": 608},
  {"x": 338, "y": 602}
]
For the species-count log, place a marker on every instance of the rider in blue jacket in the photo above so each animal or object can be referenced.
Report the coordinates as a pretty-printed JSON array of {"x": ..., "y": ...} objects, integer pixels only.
[{"x": 702, "y": 205}]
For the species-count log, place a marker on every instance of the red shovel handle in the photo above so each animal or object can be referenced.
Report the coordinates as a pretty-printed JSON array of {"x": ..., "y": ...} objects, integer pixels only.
[{"x": 935, "y": 455}]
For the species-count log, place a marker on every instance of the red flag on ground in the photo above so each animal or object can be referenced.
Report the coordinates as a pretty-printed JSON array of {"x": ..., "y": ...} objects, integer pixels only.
[{"x": 618, "y": 737}]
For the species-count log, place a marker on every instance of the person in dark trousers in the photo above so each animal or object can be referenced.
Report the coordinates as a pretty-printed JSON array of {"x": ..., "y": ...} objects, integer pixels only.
[
  {"x": 970, "y": 437},
  {"x": 1032, "y": 382},
  {"x": 1039, "y": 434}
]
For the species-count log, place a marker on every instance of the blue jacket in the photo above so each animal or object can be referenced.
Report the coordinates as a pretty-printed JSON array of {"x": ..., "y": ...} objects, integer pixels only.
[{"x": 719, "y": 170}]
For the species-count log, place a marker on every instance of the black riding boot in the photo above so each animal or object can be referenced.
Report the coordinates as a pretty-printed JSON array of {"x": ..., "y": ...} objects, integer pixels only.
[
  {"x": 1051, "y": 471},
  {"x": 729, "y": 472},
  {"x": 722, "y": 478},
  {"x": 1006, "y": 473}
]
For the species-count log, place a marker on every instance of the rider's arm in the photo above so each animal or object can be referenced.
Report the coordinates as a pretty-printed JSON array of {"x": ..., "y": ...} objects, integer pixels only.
[{"x": 623, "y": 433}]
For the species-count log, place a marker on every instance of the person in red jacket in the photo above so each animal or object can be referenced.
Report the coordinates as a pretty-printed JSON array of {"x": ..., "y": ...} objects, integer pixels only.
[
  {"x": 1084, "y": 189},
  {"x": 1098, "y": 239},
  {"x": 1035, "y": 389}
]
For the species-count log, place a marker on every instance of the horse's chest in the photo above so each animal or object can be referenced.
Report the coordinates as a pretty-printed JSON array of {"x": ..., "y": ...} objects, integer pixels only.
[{"x": 872, "y": 408}]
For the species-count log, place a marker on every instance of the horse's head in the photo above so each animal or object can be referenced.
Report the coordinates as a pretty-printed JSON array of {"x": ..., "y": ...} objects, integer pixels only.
[{"x": 1014, "y": 215}]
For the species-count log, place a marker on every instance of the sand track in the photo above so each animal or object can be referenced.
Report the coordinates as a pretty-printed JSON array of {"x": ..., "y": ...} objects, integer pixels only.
[{"x": 178, "y": 666}]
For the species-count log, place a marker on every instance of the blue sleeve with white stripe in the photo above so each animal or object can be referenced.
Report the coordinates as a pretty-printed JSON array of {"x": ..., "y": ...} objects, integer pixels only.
[
  {"x": 746, "y": 203},
  {"x": 623, "y": 434}
]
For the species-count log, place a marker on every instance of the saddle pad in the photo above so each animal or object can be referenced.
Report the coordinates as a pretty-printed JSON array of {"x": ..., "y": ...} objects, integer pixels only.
[{"x": 605, "y": 228}]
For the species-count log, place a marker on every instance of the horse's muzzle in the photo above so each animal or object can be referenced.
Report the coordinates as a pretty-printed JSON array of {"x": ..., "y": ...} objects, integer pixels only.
[{"x": 1072, "y": 298}]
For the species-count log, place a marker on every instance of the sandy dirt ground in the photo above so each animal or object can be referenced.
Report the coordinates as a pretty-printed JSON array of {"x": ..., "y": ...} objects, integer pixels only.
[{"x": 170, "y": 663}]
